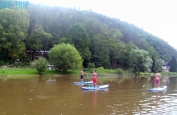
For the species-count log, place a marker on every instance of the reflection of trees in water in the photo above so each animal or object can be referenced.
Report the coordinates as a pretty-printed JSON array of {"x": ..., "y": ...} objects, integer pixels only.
[
  {"x": 94, "y": 94},
  {"x": 122, "y": 79},
  {"x": 133, "y": 81},
  {"x": 149, "y": 80},
  {"x": 172, "y": 83},
  {"x": 165, "y": 80}
]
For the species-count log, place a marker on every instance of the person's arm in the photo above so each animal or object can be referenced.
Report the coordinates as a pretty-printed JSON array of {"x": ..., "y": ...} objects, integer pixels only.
[{"x": 97, "y": 76}]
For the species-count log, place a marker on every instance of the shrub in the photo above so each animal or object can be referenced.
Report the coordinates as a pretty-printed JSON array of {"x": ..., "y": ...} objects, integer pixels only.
[
  {"x": 101, "y": 68},
  {"x": 25, "y": 64},
  {"x": 2, "y": 63},
  {"x": 120, "y": 71},
  {"x": 91, "y": 65},
  {"x": 64, "y": 57},
  {"x": 40, "y": 65}
]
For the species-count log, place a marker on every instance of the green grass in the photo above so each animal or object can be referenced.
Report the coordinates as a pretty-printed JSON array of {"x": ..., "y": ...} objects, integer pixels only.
[
  {"x": 30, "y": 71},
  {"x": 100, "y": 71},
  {"x": 18, "y": 71}
]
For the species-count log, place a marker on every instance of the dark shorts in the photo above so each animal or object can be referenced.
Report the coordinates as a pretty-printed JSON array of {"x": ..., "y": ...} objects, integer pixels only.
[{"x": 81, "y": 76}]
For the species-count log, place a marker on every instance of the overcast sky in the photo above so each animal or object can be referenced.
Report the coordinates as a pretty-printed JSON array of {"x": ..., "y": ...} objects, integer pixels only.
[{"x": 158, "y": 17}]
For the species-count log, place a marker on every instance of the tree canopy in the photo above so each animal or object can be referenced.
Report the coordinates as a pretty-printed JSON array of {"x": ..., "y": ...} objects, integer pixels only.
[{"x": 64, "y": 57}]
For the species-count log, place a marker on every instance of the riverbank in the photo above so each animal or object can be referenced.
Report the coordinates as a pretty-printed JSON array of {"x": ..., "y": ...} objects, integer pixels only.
[
  {"x": 102, "y": 72},
  {"x": 15, "y": 71}
]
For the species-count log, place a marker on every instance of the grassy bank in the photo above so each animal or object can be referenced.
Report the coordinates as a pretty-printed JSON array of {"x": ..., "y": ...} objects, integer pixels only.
[{"x": 30, "y": 71}]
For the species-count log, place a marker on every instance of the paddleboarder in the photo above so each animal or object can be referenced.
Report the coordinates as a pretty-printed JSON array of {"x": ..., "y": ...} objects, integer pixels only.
[
  {"x": 82, "y": 75},
  {"x": 157, "y": 79},
  {"x": 95, "y": 76}
]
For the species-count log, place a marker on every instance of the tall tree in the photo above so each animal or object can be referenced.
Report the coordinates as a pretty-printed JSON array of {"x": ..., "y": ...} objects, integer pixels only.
[
  {"x": 125, "y": 59},
  {"x": 173, "y": 64},
  {"x": 13, "y": 31},
  {"x": 140, "y": 60},
  {"x": 115, "y": 47},
  {"x": 158, "y": 65},
  {"x": 100, "y": 53},
  {"x": 36, "y": 38},
  {"x": 79, "y": 37}
]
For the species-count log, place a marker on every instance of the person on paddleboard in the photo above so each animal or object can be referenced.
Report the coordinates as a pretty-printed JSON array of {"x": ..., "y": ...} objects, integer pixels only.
[
  {"x": 82, "y": 75},
  {"x": 157, "y": 79},
  {"x": 95, "y": 76}
]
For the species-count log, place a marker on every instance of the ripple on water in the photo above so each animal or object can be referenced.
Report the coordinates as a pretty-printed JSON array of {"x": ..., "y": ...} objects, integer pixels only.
[{"x": 172, "y": 94}]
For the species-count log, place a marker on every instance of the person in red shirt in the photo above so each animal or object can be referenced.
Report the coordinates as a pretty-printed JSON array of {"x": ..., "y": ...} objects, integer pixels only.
[{"x": 95, "y": 76}]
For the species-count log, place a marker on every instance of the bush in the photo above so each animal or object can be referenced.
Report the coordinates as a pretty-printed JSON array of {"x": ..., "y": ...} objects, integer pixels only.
[
  {"x": 25, "y": 64},
  {"x": 101, "y": 68},
  {"x": 10, "y": 62},
  {"x": 64, "y": 57},
  {"x": 120, "y": 71},
  {"x": 2, "y": 63},
  {"x": 40, "y": 65},
  {"x": 91, "y": 65}
]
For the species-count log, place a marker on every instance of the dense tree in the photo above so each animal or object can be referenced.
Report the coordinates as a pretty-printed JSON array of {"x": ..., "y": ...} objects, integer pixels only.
[
  {"x": 64, "y": 57},
  {"x": 36, "y": 38},
  {"x": 140, "y": 60},
  {"x": 158, "y": 65},
  {"x": 100, "y": 54},
  {"x": 173, "y": 64},
  {"x": 78, "y": 36},
  {"x": 125, "y": 58},
  {"x": 13, "y": 31},
  {"x": 155, "y": 56}
]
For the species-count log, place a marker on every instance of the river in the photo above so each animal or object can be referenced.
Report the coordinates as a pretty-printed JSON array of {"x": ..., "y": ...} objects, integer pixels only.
[{"x": 36, "y": 96}]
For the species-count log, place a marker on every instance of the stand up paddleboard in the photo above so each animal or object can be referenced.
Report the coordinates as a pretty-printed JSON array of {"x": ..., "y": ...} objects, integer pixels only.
[
  {"x": 98, "y": 87},
  {"x": 163, "y": 88},
  {"x": 82, "y": 83}
]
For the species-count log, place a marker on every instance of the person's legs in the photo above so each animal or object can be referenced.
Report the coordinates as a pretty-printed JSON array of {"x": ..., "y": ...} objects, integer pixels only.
[
  {"x": 154, "y": 83},
  {"x": 81, "y": 77},
  {"x": 158, "y": 83}
]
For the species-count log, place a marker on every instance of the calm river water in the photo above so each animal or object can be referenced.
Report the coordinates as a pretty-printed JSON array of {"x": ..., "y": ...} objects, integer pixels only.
[{"x": 61, "y": 97}]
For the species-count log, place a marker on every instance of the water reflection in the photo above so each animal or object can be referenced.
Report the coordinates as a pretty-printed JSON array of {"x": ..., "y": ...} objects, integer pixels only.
[
  {"x": 51, "y": 80},
  {"x": 157, "y": 98},
  {"x": 165, "y": 80},
  {"x": 94, "y": 94}
]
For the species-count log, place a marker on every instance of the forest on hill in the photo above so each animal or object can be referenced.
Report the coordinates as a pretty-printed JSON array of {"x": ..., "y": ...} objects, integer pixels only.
[{"x": 102, "y": 41}]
